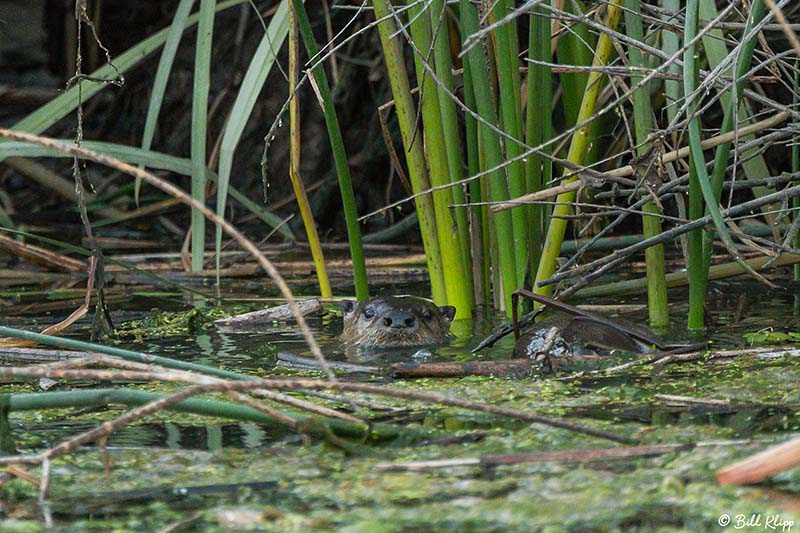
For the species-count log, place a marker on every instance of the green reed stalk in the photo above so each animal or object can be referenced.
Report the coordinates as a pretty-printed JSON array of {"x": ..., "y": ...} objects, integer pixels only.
[
  {"x": 539, "y": 125},
  {"x": 694, "y": 267},
  {"x": 162, "y": 77},
  {"x": 673, "y": 91},
  {"x": 511, "y": 116},
  {"x": 643, "y": 126},
  {"x": 575, "y": 48},
  {"x": 313, "y": 424},
  {"x": 577, "y": 151},
  {"x": 443, "y": 66},
  {"x": 294, "y": 160},
  {"x": 694, "y": 244},
  {"x": 492, "y": 157},
  {"x": 457, "y": 281},
  {"x": 722, "y": 153},
  {"x": 339, "y": 156},
  {"x": 479, "y": 245},
  {"x": 670, "y": 44},
  {"x": 417, "y": 170},
  {"x": 690, "y": 74},
  {"x": 202, "y": 74}
]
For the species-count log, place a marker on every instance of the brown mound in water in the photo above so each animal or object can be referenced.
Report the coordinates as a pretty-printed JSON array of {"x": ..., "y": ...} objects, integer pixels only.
[
  {"x": 586, "y": 333},
  {"x": 389, "y": 321}
]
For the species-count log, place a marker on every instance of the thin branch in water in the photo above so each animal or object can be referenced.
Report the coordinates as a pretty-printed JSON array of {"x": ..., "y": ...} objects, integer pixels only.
[{"x": 167, "y": 187}]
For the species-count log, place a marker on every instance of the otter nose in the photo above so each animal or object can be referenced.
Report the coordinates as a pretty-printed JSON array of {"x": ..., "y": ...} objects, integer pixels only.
[{"x": 399, "y": 320}]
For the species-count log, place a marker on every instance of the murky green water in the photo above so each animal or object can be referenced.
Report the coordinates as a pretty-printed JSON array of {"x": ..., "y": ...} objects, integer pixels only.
[{"x": 240, "y": 476}]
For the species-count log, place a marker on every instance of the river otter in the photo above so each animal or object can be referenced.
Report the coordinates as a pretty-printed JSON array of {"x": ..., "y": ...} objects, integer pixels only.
[
  {"x": 577, "y": 328},
  {"x": 583, "y": 334},
  {"x": 394, "y": 321}
]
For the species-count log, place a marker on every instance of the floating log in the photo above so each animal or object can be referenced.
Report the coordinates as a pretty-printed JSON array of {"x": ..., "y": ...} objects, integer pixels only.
[{"x": 279, "y": 313}]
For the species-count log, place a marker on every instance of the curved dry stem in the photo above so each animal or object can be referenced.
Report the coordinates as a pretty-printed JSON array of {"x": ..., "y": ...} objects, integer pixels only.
[{"x": 174, "y": 191}]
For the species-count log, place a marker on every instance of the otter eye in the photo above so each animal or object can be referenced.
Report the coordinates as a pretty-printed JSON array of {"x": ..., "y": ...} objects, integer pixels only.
[
  {"x": 426, "y": 314},
  {"x": 369, "y": 312}
]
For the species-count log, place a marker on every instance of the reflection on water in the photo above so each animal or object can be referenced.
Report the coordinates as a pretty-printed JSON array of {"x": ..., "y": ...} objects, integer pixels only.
[
  {"x": 250, "y": 351},
  {"x": 208, "y": 437},
  {"x": 736, "y": 307}
]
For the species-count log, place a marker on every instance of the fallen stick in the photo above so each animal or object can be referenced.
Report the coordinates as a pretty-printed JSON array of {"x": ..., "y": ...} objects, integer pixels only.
[
  {"x": 679, "y": 279},
  {"x": 661, "y": 359},
  {"x": 502, "y": 368},
  {"x": 40, "y": 255},
  {"x": 762, "y": 465},
  {"x": 38, "y": 355}
]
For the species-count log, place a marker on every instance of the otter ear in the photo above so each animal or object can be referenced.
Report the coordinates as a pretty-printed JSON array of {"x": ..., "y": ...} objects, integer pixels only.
[
  {"x": 347, "y": 306},
  {"x": 448, "y": 312}
]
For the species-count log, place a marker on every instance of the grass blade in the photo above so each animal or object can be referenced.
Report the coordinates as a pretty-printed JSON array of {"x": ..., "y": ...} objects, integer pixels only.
[
  {"x": 150, "y": 159},
  {"x": 723, "y": 150},
  {"x": 294, "y": 159},
  {"x": 697, "y": 160},
  {"x": 339, "y": 156},
  {"x": 643, "y": 125},
  {"x": 162, "y": 76},
  {"x": 260, "y": 66},
  {"x": 202, "y": 77}
]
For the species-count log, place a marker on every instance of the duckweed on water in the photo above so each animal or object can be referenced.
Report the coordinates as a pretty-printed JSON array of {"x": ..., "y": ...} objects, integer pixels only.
[
  {"x": 272, "y": 480},
  {"x": 320, "y": 488},
  {"x": 171, "y": 323},
  {"x": 316, "y": 488}
]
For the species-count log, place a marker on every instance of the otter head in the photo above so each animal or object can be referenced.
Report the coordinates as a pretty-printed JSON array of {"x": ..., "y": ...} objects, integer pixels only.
[{"x": 391, "y": 321}]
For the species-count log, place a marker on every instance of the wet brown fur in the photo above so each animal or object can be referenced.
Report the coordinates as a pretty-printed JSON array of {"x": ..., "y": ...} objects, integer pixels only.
[
  {"x": 391, "y": 321},
  {"x": 584, "y": 331}
]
